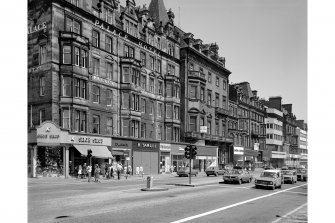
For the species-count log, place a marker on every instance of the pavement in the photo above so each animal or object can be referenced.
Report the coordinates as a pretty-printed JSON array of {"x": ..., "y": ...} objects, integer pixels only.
[
  {"x": 299, "y": 215},
  {"x": 37, "y": 180}
]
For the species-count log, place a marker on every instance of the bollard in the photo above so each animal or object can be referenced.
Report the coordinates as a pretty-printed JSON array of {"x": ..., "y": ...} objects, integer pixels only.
[{"x": 149, "y": 182}]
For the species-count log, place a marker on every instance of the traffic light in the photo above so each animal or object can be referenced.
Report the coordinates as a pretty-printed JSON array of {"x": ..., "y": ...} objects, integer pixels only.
[
  {"x": 187, "y": 152},
  {"x": 193, "y": 152},
  {"x": 89, "y": 153}
]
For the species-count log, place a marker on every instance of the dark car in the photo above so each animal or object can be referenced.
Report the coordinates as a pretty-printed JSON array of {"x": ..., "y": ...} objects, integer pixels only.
[
  {"x": 215, "y": 171},
  {"x": 185, "y": 171},
  {"x": 237, "y": 175}
]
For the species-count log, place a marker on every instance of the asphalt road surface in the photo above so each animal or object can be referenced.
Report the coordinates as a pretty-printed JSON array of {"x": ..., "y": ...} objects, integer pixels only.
[{"x": 123, "y": 201}]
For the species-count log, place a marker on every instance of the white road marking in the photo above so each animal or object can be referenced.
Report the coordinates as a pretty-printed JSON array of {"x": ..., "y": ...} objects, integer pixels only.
[
  {"x": 291, "y": 212},
  {"x": 293, "y": 192},
  {"x": 233, "y": 205}
]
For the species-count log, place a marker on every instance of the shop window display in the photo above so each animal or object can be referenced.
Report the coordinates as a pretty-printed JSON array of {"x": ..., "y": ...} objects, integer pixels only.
[{"x": 49, "y": 161}]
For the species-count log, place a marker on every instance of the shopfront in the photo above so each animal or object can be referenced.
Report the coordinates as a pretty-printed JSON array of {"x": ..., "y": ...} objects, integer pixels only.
[
  {"x": 47, "y": 149},
  {"x": 79, "y": 146},
  {"x": 121, "y": 150},
  {"x": 178, "y": 159},
  {"x": 206, "y": 155},
  {"x": 56, "y": 152},
  {"x": 238, "y": 156},
  {"x": 146, "y": 156},
  {"x": 278, "y": 159},
  {"x": 165, "y": 158},
  {"x": 250, "y": 157}
]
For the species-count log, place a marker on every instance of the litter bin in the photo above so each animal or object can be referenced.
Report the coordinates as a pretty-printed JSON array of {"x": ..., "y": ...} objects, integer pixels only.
[{"x": 149, "y": 182}]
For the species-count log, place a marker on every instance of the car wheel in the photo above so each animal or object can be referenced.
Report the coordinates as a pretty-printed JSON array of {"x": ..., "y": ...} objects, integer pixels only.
[
  {"x": 279, "y": 186},
  {"x": 208, "y": 175},
  {"x": 257, "y": 186}
]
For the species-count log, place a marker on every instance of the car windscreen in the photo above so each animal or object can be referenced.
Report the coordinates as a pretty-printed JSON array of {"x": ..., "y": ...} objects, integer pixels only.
[
  {"x": 236, "y": 172},
  {"x": 268, "y": 174},
  {"x": 287, "y": 173}
]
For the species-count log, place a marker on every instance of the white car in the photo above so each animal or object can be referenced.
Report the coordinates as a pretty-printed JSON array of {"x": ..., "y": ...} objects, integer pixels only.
[{"x": 270, "y": 178}]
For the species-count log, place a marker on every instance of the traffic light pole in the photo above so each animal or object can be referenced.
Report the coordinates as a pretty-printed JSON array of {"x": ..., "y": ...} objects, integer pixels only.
[{"x": 189, "y": 179}]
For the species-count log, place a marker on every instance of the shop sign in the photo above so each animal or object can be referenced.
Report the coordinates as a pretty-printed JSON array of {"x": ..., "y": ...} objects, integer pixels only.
[
  {"x": 49, "y": 133},
  {"x": 278, "y": 155},
  {"x": 123, "y": 35},
  {"x": 203, "y": 129},
  {"x": 147, "y": 146},
  {"x": 248, "y": 152},
  {"x": 165, "y": 147},
  {"x": 36, "y": 28},
  {"x": 121, "y": 144},
  {"x": 90, "y": 140},
  {"x": 238, "y": 150}
]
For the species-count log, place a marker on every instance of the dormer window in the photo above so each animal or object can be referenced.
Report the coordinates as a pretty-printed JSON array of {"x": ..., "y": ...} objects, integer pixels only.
[
  {"x": 170, "y": 49},
  {"x": 108, "y": 15},
  {"x": 131, "y": 28}
]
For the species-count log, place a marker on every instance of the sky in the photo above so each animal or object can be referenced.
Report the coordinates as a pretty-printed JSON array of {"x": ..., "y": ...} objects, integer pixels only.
[{"x": 264, "y": 42}]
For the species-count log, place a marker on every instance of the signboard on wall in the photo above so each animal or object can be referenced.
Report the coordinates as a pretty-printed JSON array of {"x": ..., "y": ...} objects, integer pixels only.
[
  {"x": 48, "y": 133},
  {"x": 238, "y": 150},
  {"x": 203, "y": 129}
]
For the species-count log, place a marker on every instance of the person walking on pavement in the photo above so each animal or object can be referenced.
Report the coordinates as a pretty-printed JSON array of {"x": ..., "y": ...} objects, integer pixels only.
[
  {"x": 89, "y": 171},
  {"x": 96, "y": 174},
  {"x": 80, "y": 169},
  {"x": 118, "y": 170},
  {"x": 84, "y": 171}
]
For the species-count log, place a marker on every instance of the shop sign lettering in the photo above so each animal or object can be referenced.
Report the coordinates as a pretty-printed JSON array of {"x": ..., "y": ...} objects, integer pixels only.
[
  {"x": 146, "y": 145},
  {"x": 89, "y": 140},
  {"x": 46, "y": 136},
  {"x": 34, "y": 29}
]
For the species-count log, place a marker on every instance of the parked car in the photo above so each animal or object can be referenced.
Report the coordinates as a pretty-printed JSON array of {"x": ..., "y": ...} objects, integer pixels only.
[
  {"x": 302, "y": 174},
  {"x": 290, "y": 176},
  {"x": 237, "y": 175},
  {"x": 215, "y": 171},
  {"x": 269, "y": 178},
  {"x": 185, "y": 171}
]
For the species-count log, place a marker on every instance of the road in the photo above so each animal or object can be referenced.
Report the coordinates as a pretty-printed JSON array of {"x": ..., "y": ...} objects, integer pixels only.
[{"x": 123, "y": 201}]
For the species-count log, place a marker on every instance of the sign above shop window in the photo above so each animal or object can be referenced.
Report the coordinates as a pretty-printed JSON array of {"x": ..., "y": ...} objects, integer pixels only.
[
  {"x": 90, "y": 140},
  {"x": 165, "y": 147},
  {"x": 49, "y": 133},
  {"x": 238, "y": 150}
]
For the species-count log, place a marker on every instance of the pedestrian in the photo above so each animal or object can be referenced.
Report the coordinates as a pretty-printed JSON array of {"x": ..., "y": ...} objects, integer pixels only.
[
  {"x": 80, "y": 169},
  {"x": 84, "y": 171},
  {"x": 89, "y": 171},
  {"x": 112, "y": 171},
  {"x": 102, "y": 170},
  {"x": 118, "y": 170},
  {"x": 96, "y": 173},
  {"x": 106, "y": 170}
]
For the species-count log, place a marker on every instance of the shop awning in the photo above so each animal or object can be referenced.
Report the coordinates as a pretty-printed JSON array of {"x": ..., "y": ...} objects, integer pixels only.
[
  {"x": 97, "y": 151},
  {"x": 119, "y": 153}
]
